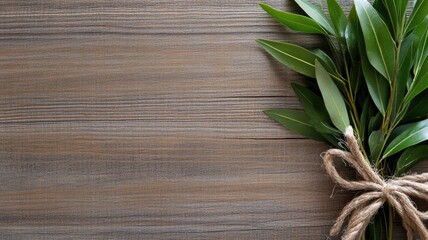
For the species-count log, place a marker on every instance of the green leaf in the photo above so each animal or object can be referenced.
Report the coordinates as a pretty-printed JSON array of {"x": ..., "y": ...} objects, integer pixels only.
[
  {"x": 380, "y": 46},
  {"x": 404, "y": 69},
  {"x": 402, "y": 7},
  {"x": 295, "y": 57},
  {"x": 414, "y": 134},
  {"x": 356, "y": 78},
  {"x": 376, "y": 140},
  {"x": 351, "y": 33},
  {"x": 418, "y": 108},
  {"x": 315, "y": 109},
  {"x": 410, "y": 158},
  {"x": 420, "y": 83},
  {"x": 419, "y": 13},
  {"x": 311, "y": 103},
  {"x": 295, "y": 22},
  {"x": 396, "y": 10},
  {"x": 364, "y": 118},
  {"x": 374, "y": 122},
  {"x": 337, "y": 17},
  {"x": 422, "y": 51},
  {"x": 334, "y": 140},
  {"x": 296, "y": 121},
  {"x": 333, "y": 99},
  {"x": 409, "y": 51},
  {"x": 326, "y": 61},
  {"x": 411, "y": 43},
  {"x": 374, "y": 229},
  {"x": 315, "y": 13},
  {"x": 377, "y": 85}
]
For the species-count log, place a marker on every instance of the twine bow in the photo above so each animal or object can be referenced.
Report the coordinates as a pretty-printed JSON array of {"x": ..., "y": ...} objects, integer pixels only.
[{"x": 396, "y": 192}]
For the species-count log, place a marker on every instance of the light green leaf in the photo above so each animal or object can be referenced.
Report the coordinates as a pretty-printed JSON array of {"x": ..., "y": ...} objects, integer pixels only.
[
  {"x": 414, "y": 134},
  {"x": 338, "y": 18},
  {"x": 410, "y": 158},
  {"x": 333, "y": 99},
  {"x": 316, "y": 14},
  {"x": 295, "y": 22},
  {"x": 295, "y": 57},
  {"x": 380, "y": 46},
  {"x": 296, "y": 121},
  {"x": 419, "y": 13}
]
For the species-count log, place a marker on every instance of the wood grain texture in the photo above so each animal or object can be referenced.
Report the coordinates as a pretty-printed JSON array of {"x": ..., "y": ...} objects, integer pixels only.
[{"x": 142, "y": 120}]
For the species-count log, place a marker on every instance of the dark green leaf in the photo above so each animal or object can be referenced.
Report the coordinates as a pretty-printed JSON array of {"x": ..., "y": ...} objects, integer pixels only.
[
  {"x": 334, "y": 140},
  {"x": 402, "y": 7},
  {"x": 418, "y": 107},
  {"x": 410, "y": 158},
  {"x": 422, "y": 51},
  {"x": 376, "y": 140},
  {"x": 338, "y": 18},
  {"x": 383, "y": 13},
  {"x": 419, "y": 13},
  {"x": 396, "y": 10},
  {"x": 420, "y": 83},
  {"x": 356, "y": 78},
  {"x": 380, "y": 46},
  {"x": 364, "y": 118},
  {"x": 374, "y": 123},
  {"x": 378, "y": 86},
  {"x": 295, "y": 57},
  {"x": 411, "y": 43},
  {"x": 404, "y": 69},
  {"x": 351, "y": 33},
  {"x": 315, "y": 13},
  {"x": 374, "y": 229},
  {"x": 311, "y": 102},
  {"x": 296, "y": 121},
  {"x": 326, "y": 61},
  {"x": 414, "y": 134},
  {"x": 333, "y": 99},
  {"x": 315, "y": 109},
  {"x": 295, "y": 22}
]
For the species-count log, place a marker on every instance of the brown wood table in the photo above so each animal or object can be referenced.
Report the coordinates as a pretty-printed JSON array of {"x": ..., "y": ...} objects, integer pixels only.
[{"x": 143, "y": 120}]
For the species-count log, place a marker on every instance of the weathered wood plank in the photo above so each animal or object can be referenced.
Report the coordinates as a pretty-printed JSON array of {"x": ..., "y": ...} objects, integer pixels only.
[{"x": 142, "y": 120}]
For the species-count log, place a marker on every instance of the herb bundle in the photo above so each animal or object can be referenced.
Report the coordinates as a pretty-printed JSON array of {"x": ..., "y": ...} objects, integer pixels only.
[{"x": 374, "y": 78}]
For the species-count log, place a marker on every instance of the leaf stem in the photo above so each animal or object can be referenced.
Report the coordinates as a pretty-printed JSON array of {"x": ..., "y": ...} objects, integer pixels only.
[{"x": 351, "y": 101}]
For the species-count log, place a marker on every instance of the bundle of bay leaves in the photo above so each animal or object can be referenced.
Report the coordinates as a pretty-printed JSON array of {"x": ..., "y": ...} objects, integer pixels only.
[{"x": 373, "y": 77}]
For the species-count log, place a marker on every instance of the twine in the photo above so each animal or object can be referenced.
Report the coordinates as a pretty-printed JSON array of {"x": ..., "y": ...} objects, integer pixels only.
[{"x": 396, "y": 192}]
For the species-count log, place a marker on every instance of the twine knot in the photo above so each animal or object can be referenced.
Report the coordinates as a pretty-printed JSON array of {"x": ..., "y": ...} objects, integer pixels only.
[{"x": 396, "y": 192}]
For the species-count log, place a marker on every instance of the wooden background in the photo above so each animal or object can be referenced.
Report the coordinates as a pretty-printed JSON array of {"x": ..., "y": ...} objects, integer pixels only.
[{"x": 143, "y": 120}]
